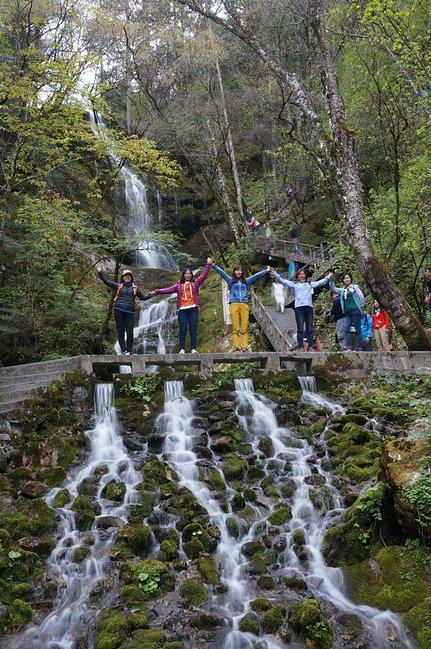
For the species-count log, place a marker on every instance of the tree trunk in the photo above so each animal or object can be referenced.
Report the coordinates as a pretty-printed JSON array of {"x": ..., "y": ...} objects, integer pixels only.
[
  {"x": 373, "y": 270},
  {"x": 223, "y": 189},
  {"x": 230, "y": 149},
  {"x": 110, "y": 309}
]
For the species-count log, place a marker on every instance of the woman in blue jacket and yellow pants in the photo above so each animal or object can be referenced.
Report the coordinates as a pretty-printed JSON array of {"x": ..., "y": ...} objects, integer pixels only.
[{"x": 238, "y": 300}]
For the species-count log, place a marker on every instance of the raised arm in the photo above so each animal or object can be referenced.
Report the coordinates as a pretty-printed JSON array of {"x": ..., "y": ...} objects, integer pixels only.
[
  {"x": 253, "y": 278},
  {"x": 221, "y": 272},
  {"x": 107, "y": 281},
  {"x": 166, "y": 290},
  {"x": 321, "y": 282},
  {"x": 334, "y": 288},
  {"x": 204, "y": 274},
  {"x": 285, "y": 282},
  {"x": 141, "y": 296}
]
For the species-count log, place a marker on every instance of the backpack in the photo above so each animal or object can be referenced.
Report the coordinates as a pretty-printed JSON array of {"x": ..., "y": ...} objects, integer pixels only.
[{"x": 120, "y": 286}]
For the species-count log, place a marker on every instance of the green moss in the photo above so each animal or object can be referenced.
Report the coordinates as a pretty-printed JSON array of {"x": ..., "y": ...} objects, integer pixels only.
[
  {"x": 249, "y": 494},
  {"x": 115, "y": 491},
  {"x": 255, "y": 473},
  {"x": 266, "y": 582},
  {"x": 80, "y": 554},
  {"x": 273, "y": 618},
  {"x": 193, "y": 548},
  {"x": 61, "y": 498},
  {"x": 147, "y": 639},
  {"x": 84, "y": 511},
  {"x": 132, "y": 595},
  {"x": 307, "y": 618},
  {"x": 21, "y": 591},
  {"x": 249, "y": 624},
  {"x": 146, "y": 502},
  {"x": 18, "y": 614},
  {"x": 209, "y": 570},
  {"x": 111, "y": 630},
  {"x": 150, "y": 575},
  {"x": 234, "y": 467},
  {"x": 193, "y": 591},
  {"x": 260, "y": 604},
  {"x": 136, "y": 537},
  {"x": 418, "y": 618},
  {"x": 396, "y": 581},
  {"x": 170, "y": 549},
  {"x": 213, "y": 478},
  {"x": 266, "y": 446},
  {"x": 280, "y": 515}
]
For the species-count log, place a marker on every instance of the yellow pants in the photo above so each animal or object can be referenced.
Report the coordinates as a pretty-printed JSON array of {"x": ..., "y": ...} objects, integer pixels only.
[{"x": 239, "y": 313}]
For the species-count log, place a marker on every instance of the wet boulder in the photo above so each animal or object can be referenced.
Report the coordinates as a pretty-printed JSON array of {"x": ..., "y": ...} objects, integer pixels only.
[{"x": 308, "y": 619}]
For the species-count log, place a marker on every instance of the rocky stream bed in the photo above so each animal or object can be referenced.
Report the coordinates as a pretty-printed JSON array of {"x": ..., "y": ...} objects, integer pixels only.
[{"x": 214, "y": 515}]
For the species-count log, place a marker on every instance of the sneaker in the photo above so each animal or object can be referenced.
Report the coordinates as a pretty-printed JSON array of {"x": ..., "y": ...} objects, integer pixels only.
[
  {"x": 182, "y": 351},
  {"x": 126, "y": 353},
  {"x": 194, "y": 351}
]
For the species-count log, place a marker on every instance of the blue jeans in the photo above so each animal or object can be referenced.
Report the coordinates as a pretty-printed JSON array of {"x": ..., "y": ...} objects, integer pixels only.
[
  {"x": 188, "y": 320},
  {"x": 124, "y": 323},
  {"x": 353, "y": 318},
  {"x": 304, "y": 314}
]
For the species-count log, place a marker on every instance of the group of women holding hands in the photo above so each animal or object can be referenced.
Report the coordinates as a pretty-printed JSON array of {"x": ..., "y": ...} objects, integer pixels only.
[{"x": 187, "y": 291}]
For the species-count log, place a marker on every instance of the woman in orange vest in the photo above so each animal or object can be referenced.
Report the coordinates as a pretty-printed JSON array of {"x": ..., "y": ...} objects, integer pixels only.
[{"x": 124, "y": 307}]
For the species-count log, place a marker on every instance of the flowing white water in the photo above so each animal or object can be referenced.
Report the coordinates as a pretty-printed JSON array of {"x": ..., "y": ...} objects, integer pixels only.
[
  {"x": 72, "y": 612},
  {"x": 176, "y": 422},
  {"x": 384, "y": 628}
]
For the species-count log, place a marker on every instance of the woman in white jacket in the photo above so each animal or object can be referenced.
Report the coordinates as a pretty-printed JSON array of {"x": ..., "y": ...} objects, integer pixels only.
[{"x": 303, "y": 291}]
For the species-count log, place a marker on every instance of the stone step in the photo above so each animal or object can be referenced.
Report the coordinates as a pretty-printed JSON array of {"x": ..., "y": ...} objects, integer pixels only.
[
  {"x": 62, "y": 364},
  {"x": 20, "y": 391},
  {"x": 43, "y": 378},
  {"x": 12, "y": 405}
]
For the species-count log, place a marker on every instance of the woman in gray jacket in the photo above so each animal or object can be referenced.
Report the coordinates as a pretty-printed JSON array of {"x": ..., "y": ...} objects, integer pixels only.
[{"x": 303, "y": 292}]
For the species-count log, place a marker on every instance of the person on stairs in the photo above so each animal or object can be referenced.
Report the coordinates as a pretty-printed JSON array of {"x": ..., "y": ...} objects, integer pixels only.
[
  {"x": 124, "y": 307},
  {"x": 304, "y": 313},
  {"x": 238, "y": 285},
  {"x": 352, "y": 305},
  {"x": 187, "y": 290}
]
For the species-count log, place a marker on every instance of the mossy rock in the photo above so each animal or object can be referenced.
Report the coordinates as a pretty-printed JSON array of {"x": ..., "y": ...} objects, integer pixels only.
[
  {"x": 280, "y": 515},
  {"x": 21, "y": 591},
  {"x": 249, "y": 624},
  {"x": 146, "y": 502},
  {"x": 273, "y": 618},
  {"x": 111, "y": 630},
  {"x": 18, "y": 614},
  {"x": 136, "y": 537},
  {"x": 266, "y": 582},
  {"x": 147, "y": 639},
  {"x": 85, "y": 512},
  {"x": 170, "y": 549},
  {"x": 35, "y": 519},
  {"x": 81, "y": 554},
  {"x": 193, "y": 592},
  {"x": 208, "y": 569},
  {"x": 255, "y": 473},
  {"x": 266, "y": 446},
  {"x": 418, "y": 620},
  {"x": 61, "y": 498},
  {"x": 234, "y": 468},
  {"x": 393, "y": 580},
  {"x": 308, "y": 619},
  {"x": 260, "y": 604},
  {"x": 115, "y": 491},
  {"x": 213, "y": 478},
  {"x": 249, "y": 494}
]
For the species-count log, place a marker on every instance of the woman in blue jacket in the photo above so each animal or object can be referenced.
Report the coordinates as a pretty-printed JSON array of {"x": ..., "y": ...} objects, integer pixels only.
[
  {"x": 238, "y": 285},
  {"x": 303, "y": 292}
]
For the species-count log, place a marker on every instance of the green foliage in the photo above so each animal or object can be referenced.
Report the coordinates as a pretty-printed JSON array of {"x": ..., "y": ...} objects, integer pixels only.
[
  {"x": 142, "y": 388},
  {"x": 419, "y": 495},
  {"x": 148, "y": 575}
]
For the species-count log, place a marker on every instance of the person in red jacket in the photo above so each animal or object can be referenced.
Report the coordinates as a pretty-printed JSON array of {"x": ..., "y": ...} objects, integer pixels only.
[{"x": 381, "y": 326}]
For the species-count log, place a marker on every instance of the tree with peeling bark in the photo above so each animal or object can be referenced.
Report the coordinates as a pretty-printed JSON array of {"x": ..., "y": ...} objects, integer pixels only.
[{"x": 339, "y": 147}]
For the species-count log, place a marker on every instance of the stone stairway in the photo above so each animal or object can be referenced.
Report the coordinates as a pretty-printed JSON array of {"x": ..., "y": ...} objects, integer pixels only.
[
  {"x": 19, "y": 383},
  {"x": 278, "y": 327}
]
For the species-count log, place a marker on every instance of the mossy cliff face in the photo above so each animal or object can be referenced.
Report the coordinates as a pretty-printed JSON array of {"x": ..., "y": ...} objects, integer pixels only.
[{"x": 37, "y": 449}]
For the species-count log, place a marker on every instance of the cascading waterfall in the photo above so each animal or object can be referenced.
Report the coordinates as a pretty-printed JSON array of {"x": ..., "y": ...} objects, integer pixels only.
[
  {"x": 177, "y": 423},
  {"x": 107, "y": 462},
  {"x": 385, "y": 628}
]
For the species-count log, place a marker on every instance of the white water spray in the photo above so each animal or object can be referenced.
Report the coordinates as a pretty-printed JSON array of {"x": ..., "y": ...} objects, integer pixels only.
[{"x": 107, "y": 462}]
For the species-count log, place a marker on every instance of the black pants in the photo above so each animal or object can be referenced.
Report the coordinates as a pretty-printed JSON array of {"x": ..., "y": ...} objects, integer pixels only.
[
  {"x": 188, "y": 320},
  {"x": 304, "y": 314},
  {"x": 124, "y": 323}
]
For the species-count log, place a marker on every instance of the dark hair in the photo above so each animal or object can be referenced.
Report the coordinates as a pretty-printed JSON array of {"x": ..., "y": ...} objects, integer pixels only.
[
  {"x": 348, "y": 275},
  {"x": 183, "y": 272},
  {"x": 234, "y": 277},
  {"x": 301, "y": 270}
]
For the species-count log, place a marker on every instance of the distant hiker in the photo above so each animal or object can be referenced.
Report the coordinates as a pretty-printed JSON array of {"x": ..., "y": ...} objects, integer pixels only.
[
  {"x": 279, "y": 295},
  {"x": 366, "y": 332},
  {"x": 187, "y": 290},
  {"x": 352, "y": 305},
  {"x": 289, "y": 192},
  {"x": 124, "y": 307},
  {"x": 336, "y": 314},
  {"x": 251, "y": 221},
  {"x": 271, "y": 241},
  {"x": 303, "y": 291},
  {"x": 293, "y": 234},
  {"x": 381, "y": 327},
  {"x": 428, "y": 289},
  {"x": 238, "y": 284}
]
